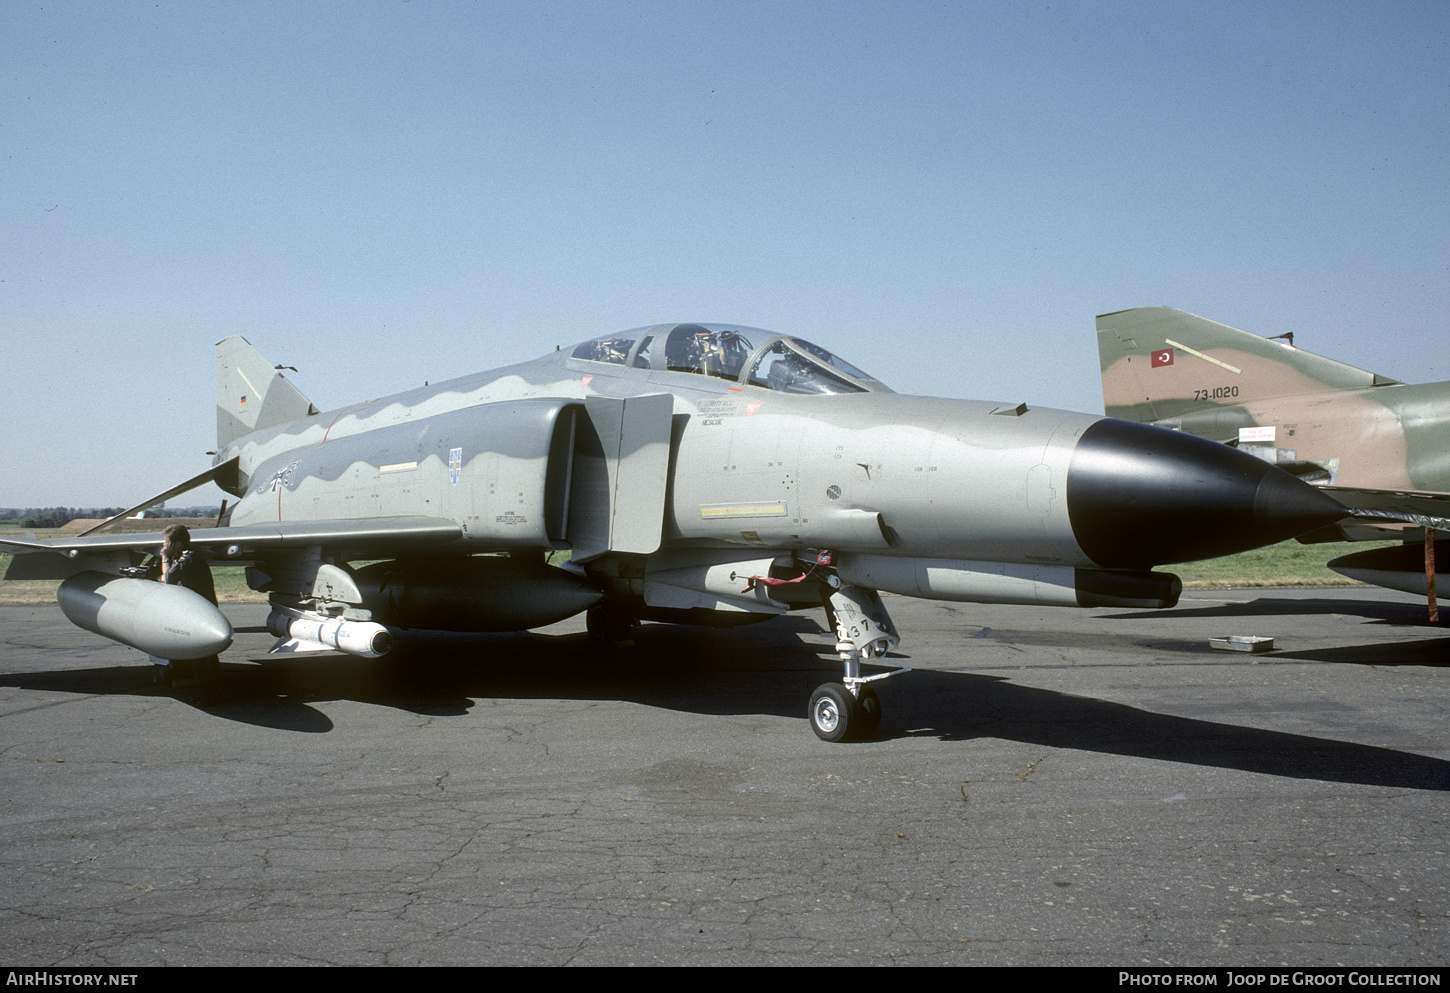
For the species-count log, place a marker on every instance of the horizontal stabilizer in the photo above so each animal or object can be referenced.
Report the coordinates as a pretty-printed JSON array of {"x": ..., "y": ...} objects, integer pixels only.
[{"x": 225, "y": 476}]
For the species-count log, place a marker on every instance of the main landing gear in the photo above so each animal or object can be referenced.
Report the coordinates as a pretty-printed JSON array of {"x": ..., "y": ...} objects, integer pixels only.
[
  {"x": 850, "y": 710},
  {"x": 610, "y": 625}
]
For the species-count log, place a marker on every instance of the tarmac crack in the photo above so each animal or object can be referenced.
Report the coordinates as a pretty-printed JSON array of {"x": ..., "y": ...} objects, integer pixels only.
[{"x": 1032, "y": 766}]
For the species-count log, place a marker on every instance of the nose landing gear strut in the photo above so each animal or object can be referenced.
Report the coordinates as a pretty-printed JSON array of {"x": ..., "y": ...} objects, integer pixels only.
[{"x": 850, "y": 710}]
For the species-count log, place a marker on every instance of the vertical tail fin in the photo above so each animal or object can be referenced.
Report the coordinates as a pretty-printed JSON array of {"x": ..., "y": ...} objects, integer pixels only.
[
  {"x": 1159, "y": 363},
  {"x": 251, "y": 394}
]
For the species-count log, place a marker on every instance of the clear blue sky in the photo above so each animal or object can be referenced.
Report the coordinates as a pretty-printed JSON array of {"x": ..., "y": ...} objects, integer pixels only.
[{"x": 944, "y": 193}]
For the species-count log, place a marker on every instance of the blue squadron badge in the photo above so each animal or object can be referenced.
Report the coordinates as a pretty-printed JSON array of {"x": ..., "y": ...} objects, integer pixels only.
[{"x": 455, "y": 465}]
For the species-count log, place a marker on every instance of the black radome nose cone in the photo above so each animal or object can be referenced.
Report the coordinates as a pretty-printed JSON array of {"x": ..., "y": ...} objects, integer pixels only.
[{"x": 1140, "y": 496}]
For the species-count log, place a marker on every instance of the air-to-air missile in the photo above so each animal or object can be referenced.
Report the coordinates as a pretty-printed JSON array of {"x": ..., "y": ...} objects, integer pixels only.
[
  {"x": 702, "y": 474},
  {"x": 1378, "y": 446}
]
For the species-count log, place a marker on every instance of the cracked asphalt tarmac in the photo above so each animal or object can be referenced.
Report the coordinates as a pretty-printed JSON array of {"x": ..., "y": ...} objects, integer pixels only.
[{"x": 1049, "y": 787}]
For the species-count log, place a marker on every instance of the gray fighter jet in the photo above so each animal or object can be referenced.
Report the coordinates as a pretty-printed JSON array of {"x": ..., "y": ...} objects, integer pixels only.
[{"x": 695, "y": 473}]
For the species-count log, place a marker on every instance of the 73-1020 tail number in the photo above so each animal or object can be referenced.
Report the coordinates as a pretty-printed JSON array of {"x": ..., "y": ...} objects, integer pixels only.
[{"x": 1217, "y": 393}]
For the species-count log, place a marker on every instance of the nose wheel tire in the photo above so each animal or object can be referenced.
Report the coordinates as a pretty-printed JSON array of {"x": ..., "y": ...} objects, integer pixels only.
[
  {"x": 833, "y": 712},
  {"x": 838, "y": 715}
]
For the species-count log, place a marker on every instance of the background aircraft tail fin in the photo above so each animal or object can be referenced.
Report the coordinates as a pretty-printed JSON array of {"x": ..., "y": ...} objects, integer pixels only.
[
  {"x": 251, "y": 393},
  {"x": 1159, "y": 363}
]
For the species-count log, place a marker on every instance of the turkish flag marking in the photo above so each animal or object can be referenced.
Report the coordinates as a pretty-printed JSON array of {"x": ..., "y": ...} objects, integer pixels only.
[{"x": 1164, "y": 356}]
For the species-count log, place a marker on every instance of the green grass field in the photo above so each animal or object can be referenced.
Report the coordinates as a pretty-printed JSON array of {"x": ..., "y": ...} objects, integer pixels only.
[{"x": 1286, "y": 564}]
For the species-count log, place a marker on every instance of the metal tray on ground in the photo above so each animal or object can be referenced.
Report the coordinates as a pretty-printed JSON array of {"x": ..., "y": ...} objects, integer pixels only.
[{"x": 1242, "y": 643}]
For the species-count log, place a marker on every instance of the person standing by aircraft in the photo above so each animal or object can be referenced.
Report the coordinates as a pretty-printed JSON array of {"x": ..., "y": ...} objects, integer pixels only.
[{"x": 180, "y": 566}]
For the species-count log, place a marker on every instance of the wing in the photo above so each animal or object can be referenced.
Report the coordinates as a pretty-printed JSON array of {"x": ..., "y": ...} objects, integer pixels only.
[
  {"x": 1396, "y": 515},
  {"x": 1383, "y": 514},
  {"x": 370, "y": 537}
]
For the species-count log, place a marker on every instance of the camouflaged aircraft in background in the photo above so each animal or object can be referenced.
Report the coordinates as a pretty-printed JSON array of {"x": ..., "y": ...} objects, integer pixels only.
[
  {"x": 1379, "y": 446},
  {"x": 702, "y": 474}
]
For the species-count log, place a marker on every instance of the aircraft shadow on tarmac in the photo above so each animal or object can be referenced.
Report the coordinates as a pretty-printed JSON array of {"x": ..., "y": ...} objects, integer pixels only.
[
  {"x": 1428, "y": 652},
  {"x": 1378, "y": 611},
  {"x": 1435, "y": 652},
  {"x": 768, "y": 669}
]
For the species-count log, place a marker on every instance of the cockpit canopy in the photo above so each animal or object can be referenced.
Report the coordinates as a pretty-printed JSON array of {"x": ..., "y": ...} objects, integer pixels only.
[{"x": 727, "y": 351}]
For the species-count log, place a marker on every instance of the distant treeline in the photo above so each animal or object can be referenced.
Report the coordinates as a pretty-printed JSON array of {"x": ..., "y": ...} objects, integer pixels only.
[{"x": 55, "y": 517}]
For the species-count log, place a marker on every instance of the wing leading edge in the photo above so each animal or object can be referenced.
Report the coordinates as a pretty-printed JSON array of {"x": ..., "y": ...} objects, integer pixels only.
[{"x": 379, "y": 535}]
